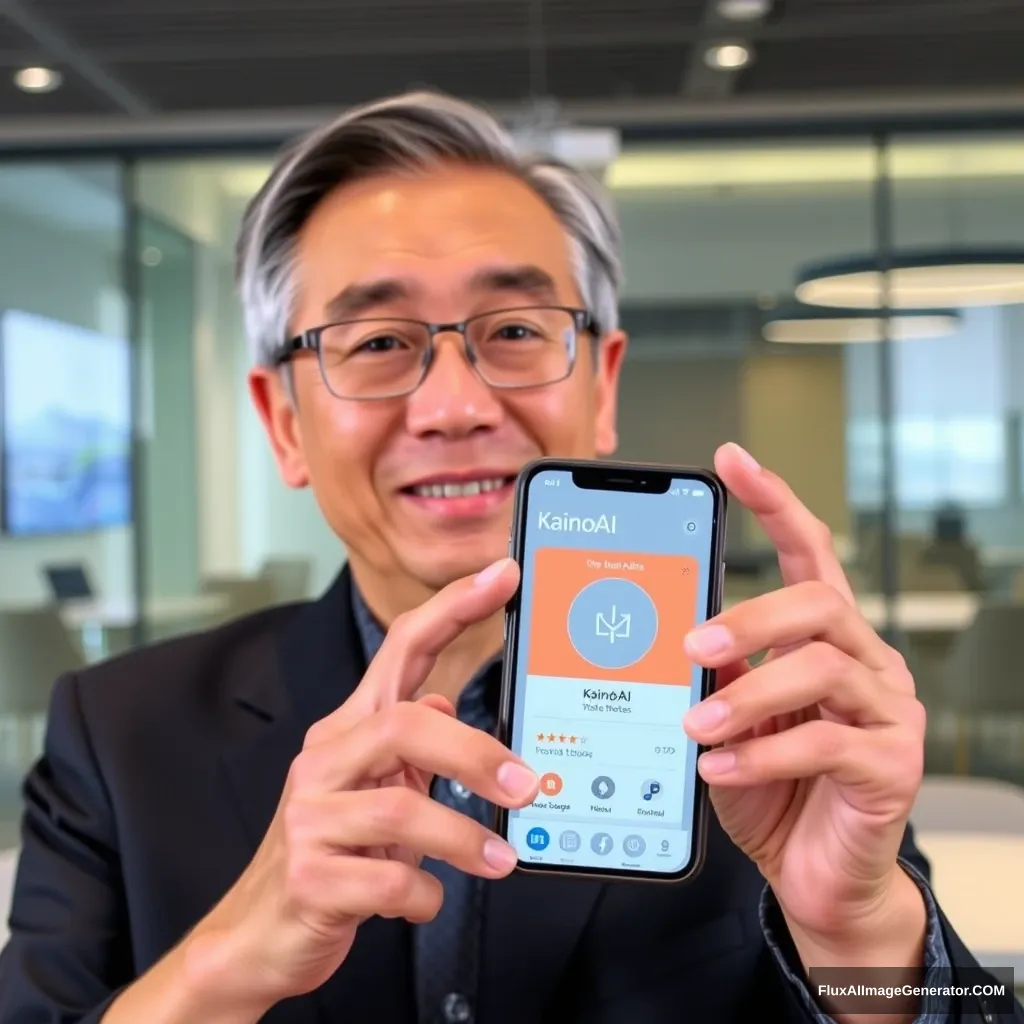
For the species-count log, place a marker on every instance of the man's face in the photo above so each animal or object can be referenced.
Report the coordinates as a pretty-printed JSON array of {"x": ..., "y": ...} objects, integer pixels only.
[{"x": 426, "y": 247}]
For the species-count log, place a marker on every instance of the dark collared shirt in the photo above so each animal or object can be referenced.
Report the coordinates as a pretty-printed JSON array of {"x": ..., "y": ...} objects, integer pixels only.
[{"x": 446, "y": 955}]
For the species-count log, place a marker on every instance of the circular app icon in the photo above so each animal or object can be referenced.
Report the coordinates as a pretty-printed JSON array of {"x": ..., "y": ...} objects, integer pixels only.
[
  {"x": 550, "y": 784},
  {"x": 650, "y": 791},
  {"x": 601, "y": 844},
  {"x": 612, "y": 623},
  {"x": 603, "y": 787},
  {"x": 569, "y": 841},
  {"x": 634, "y": 846},
  {"x": 537, "y": 839}
]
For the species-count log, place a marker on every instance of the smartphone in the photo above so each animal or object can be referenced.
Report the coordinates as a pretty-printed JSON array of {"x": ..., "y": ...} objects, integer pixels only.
[{"x": 619, "y": 562}]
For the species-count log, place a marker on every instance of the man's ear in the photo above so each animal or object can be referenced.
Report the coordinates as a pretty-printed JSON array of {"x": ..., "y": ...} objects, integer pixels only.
[
  {"x": 609, "y": 354},
  {"x": 279, "y": 416}
]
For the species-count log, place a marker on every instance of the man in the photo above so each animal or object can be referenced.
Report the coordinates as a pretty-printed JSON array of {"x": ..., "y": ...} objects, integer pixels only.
[{"x": 232, "y": 827}]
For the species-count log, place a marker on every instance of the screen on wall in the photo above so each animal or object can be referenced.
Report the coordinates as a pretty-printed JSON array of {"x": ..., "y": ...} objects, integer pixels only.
[{"x": 65, "y": 398}]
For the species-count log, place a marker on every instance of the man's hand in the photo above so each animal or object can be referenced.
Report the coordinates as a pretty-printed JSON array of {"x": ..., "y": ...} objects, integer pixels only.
[
  {"x": 820, "y": 748},
  {"x": 352, "y": 825}
]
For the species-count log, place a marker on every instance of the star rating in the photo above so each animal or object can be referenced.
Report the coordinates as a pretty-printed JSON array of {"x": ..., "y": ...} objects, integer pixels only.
[{"x": 550, "y": 737}]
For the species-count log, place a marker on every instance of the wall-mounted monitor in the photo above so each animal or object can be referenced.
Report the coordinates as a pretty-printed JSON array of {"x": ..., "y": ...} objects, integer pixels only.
[{"x": 65, "y": 417}]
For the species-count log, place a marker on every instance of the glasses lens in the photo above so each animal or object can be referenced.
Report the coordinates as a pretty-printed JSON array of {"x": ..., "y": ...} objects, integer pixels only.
[
  {"x": 523, "y": 347},
  {"x": 373, "y": 358}
]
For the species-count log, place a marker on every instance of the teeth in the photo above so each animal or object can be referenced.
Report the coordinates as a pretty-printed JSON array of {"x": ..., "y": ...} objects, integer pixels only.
[{"x": 464, "y": 489}]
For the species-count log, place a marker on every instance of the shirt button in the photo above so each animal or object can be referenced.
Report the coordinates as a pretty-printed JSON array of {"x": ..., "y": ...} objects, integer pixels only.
[
  {"x": 458, "y": 790},
  {"x": 456, "y": 1009}
]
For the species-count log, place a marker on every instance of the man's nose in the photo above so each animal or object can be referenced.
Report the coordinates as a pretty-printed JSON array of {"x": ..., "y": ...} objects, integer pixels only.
[{"x": 452, "y": 400}]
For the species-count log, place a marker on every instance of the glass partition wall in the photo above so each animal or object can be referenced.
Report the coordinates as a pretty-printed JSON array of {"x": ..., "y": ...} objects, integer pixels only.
[{"x": 862, "y": 336}]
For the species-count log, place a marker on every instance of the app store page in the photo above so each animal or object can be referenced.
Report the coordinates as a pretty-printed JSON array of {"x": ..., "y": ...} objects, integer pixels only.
[{"x": 612, "y": 583}]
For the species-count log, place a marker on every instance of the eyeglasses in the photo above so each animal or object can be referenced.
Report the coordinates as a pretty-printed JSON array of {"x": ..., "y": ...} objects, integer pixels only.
[{"x": 390, "y": 357}]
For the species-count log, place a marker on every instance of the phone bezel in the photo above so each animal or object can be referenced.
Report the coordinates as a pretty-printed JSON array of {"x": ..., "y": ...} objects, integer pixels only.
[{"x": 646, "y": 478}]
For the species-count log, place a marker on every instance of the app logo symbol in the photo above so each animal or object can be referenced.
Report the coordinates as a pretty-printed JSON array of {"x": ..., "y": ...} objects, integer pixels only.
[
  {"x": 613, "y": 625},
  {"x": 537, "y": 839},
  {"x": 634, "y": 845},
  {"x": 569, "y": 841},
  {"x": 651, "y": 790},
  {"x": 602, "y": 787},
  {"x": 601, "y": 844},
  {"x": 550, "y": 784}
]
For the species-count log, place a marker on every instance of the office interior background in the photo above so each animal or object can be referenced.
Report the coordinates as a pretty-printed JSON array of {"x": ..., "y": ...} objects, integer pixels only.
[{"x": 746, "y": 143}]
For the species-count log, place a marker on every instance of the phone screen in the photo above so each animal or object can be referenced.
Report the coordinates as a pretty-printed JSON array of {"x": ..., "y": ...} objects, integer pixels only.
[{"x": 613, "y": 580}]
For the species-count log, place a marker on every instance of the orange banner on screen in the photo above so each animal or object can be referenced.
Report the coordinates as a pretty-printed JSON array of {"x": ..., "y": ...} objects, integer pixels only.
[{"x": 601, "y": 615}]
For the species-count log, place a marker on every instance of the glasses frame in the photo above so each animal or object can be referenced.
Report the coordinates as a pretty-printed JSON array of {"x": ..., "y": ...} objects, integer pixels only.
[{"x": 309, "y": 341}]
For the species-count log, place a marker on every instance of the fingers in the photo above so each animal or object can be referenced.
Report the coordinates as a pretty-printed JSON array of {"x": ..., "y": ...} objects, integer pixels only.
[
  {"x": 328, "y": 892},
  {"x": 783, "y": 618},
  {"x": 421, "y": 736},
  {"x": 867, "y": 760},
  {"x": 803, "y": 542},
  {"x": 397, "y": 816},
  {"x": 416, "y": 638},
  {"x": 815, "y": 674}
]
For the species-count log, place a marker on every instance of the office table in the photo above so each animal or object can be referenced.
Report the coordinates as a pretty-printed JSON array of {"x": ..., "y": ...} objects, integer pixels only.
[
  {"x": 121, "y": 614},
  {"x": 978, "y": 879}
]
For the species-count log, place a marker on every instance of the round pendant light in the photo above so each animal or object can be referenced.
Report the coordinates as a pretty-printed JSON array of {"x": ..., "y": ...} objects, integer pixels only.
[
  {"x": 917, "y": 279},
  {"x": 807, "y": 325}
]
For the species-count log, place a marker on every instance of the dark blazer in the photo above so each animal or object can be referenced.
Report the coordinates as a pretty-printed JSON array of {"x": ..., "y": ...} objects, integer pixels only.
[{"x": 161, "y": 772}]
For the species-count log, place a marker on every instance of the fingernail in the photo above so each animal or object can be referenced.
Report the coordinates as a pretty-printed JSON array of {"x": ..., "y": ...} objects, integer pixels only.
[
  {"x": 708, "y": 641},
  {"x": 708, "y": 715},
  {"x": 517, "y": 780},
  {"x": 746, "y": 458},
  {"x": 492, "y": 572},
  {"x": 717, "y": 762},
  {"x": 500, "y": 855}
]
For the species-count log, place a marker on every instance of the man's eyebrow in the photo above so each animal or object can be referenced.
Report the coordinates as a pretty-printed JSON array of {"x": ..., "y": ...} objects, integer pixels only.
[
  {"x": 524, "y": 279},
  {"x": 361, "y": 298},
  {"x": 357, "y": 299}
]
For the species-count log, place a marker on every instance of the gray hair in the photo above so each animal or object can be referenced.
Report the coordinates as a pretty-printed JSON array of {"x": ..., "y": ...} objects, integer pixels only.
[{"x": 409, "y": 133}]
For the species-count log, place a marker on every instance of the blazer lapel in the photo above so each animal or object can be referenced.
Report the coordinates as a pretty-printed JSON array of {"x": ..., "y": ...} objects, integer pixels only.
[
  {"x": 534, "y": 923},
  {"x": 294, "y": 676},
  {"x": 297, "y": 676}
]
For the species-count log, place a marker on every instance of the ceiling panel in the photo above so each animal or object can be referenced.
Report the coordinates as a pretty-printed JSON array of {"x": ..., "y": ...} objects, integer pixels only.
[
  {"x": 923, "y": 61},
  {"x": 327, "y": 81},
  {"x": 73, "y": 97},
  {"x": 189, "y": 55}
]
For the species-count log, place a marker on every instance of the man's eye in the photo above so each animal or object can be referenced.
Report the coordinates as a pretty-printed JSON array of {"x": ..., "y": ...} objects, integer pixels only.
[
  {"x": 515, "y": 332},
  {"x": 382, "y": 343}
]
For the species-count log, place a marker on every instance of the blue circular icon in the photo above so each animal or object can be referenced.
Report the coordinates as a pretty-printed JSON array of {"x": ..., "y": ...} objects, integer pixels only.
[
  {"x": 537, "y": 839},
  {"x": 612, "y": 623},
  {"x": 651, "y": 791}
]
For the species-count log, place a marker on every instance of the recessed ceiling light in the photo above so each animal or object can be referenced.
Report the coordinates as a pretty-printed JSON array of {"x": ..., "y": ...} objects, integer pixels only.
[
  {"x": 728, "y": 56},
  {"x": 743, "y": 10},
  {"x": 152, "y": 256},
  {"x": 37, "y": 79}
]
